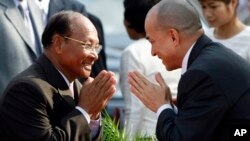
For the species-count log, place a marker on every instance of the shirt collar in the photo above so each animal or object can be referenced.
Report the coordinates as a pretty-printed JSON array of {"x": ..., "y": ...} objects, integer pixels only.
[
  {"x": 43, "y": 5},
  {"x": 185, "y": 60},
  {"x": 66, "y": 80},
  {"x": 23, "y": 3}
]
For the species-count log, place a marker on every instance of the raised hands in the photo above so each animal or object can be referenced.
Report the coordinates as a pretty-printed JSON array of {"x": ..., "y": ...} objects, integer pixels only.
[
  {"x": 96, "y": 93},
  {"x": 152, "y": 96}
]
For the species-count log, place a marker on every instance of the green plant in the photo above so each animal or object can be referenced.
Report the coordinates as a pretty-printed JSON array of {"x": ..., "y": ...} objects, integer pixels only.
[{"x": 111, "y": 131}]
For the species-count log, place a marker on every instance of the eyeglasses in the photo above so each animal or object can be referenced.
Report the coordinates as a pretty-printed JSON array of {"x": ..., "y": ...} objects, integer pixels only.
[{"x": 86, "y": 46}]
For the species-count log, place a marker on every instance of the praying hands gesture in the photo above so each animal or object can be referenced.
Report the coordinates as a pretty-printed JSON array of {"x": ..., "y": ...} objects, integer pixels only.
[
  {"x": 96, "y": 93},
  {"x": 152, "y": 96}
]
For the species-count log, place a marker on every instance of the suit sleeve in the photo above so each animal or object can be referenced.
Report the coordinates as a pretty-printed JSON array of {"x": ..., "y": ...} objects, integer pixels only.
[
  {"x": 26, "y": 115},
  {"x": 201, "y": 107}
]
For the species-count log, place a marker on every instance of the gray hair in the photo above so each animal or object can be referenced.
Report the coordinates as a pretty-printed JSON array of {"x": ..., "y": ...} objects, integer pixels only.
[{"x": 178, "y": 14}]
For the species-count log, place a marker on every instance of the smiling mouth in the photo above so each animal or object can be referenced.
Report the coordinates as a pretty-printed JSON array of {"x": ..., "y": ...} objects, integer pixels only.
[{"x": 87, "y": 67}]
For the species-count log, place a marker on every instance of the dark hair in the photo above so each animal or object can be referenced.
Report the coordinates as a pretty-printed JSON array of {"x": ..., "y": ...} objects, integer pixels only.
[
  {"x": 136, "y": 11},
  {"x": 58, "y": 23}
]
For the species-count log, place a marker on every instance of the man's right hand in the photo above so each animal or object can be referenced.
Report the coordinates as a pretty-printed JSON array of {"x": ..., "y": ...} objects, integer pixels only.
[{"x": 96, "y": 93}]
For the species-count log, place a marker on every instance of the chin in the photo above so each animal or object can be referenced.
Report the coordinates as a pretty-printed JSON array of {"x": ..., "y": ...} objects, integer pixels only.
[
  {"x": 169, "y": 68},
  {"x": 85, "y": 74}
]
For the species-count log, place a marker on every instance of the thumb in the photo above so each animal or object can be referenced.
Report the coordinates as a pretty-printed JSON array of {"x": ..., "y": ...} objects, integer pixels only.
[
  {"x": 88, "y": 81},
  {"x": 160, "y": 80}
]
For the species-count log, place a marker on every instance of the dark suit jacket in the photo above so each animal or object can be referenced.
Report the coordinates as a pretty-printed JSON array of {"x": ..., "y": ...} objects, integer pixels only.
[
  {"x": 37, "y": 105},
  {"x": 74, "y": 5},
  {"x": 213, "y": 96}
]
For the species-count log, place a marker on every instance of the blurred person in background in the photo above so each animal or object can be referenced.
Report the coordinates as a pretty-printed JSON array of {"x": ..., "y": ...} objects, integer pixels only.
[
  {"x": 137, "y": 56},
  {"x": 20, "y": 32},
  {"x": 226, "y": 27}
]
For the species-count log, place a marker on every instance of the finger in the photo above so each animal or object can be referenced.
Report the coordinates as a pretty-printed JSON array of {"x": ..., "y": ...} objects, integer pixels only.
[
  {"x": 142, "y": 78},
  {"x": 110, "y": 91},
  {"x": 88, "y": 81},
  {"x": 111, "y": 82},
  {"x": 136, "y": 92},
  {"x": 102, "y": 75},
  {"x": 160, "y": 79},
  {"x": 100, "y": 82},
  {"x": 112, "y": 73},
  {"x": 133, "y": 83},
  {"x": 137, "y": 78}
]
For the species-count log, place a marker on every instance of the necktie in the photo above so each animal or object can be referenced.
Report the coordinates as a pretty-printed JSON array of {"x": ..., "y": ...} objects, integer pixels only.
[
  {"x": 44, "y": 16},
  {"x": 28, "y": 24}
]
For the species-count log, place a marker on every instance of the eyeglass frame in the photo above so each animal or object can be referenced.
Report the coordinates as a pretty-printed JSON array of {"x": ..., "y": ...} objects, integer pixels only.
[{"x": 85, "y": 45}]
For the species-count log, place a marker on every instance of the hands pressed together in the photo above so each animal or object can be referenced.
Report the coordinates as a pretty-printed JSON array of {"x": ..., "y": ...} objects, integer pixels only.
[
  {"x": 96, "y": 93},
  {"x": 152, "y": 96}
]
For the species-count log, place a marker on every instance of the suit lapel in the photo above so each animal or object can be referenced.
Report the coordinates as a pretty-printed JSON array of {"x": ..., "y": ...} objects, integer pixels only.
[
  {"x": 200, "y": 44},
  {"x": 16, "y": 19},
  {"x": 77, "y": 89},
  {"x": 56, "y": 80},
  {"x": 14, "y": 16}
]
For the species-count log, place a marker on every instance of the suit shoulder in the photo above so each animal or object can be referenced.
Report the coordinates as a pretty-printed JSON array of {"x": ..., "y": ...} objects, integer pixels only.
[{"x": 75, "y": 6}]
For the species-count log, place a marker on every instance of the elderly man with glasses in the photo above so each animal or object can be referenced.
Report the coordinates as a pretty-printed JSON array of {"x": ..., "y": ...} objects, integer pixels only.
[{"x": 46, "y": 101}]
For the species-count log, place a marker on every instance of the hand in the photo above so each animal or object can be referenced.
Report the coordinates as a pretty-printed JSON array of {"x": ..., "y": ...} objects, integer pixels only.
[
  {"x": 96, "y": 93},
  {"x": 152, "y": 96}
]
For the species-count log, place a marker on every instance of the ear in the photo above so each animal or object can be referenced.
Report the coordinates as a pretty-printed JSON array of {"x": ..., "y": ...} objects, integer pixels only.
[
  {"x": 174, "y": 35},
  {"x": 235, "y": 3},
  {"x": 57, "y": 41}
]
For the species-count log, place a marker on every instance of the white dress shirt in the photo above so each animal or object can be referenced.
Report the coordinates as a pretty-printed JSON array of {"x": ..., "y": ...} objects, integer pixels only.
[{"x": 44, "y": 6}]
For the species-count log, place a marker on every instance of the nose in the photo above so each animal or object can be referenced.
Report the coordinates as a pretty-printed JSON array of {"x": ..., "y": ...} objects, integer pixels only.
[
  {"x": 207, "y": 13},
  {"x": 94, "y": 55}
]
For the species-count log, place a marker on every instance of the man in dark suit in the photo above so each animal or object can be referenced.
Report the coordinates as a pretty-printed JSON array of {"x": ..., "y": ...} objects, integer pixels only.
[
  {"x": 46, "y": 101},
  {"x": 214, "y": 90}
]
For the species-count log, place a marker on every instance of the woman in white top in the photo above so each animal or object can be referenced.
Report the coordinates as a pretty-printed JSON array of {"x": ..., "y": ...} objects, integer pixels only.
[
  {"x": 226, "y": 27},
  {"x": 137, "y": 56}
]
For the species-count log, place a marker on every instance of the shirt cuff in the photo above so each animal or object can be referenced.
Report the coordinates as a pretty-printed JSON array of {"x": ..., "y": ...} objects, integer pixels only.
[
  {"x": 94, "y": 125},
  {"x": 166, "y": 106},
  {"x": 84, "y": 113}
]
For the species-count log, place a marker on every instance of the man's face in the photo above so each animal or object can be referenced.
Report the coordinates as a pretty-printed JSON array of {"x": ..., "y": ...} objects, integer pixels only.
[
  {"x": 76, "y": 60},
  {"x": 162, "y": 43}
]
